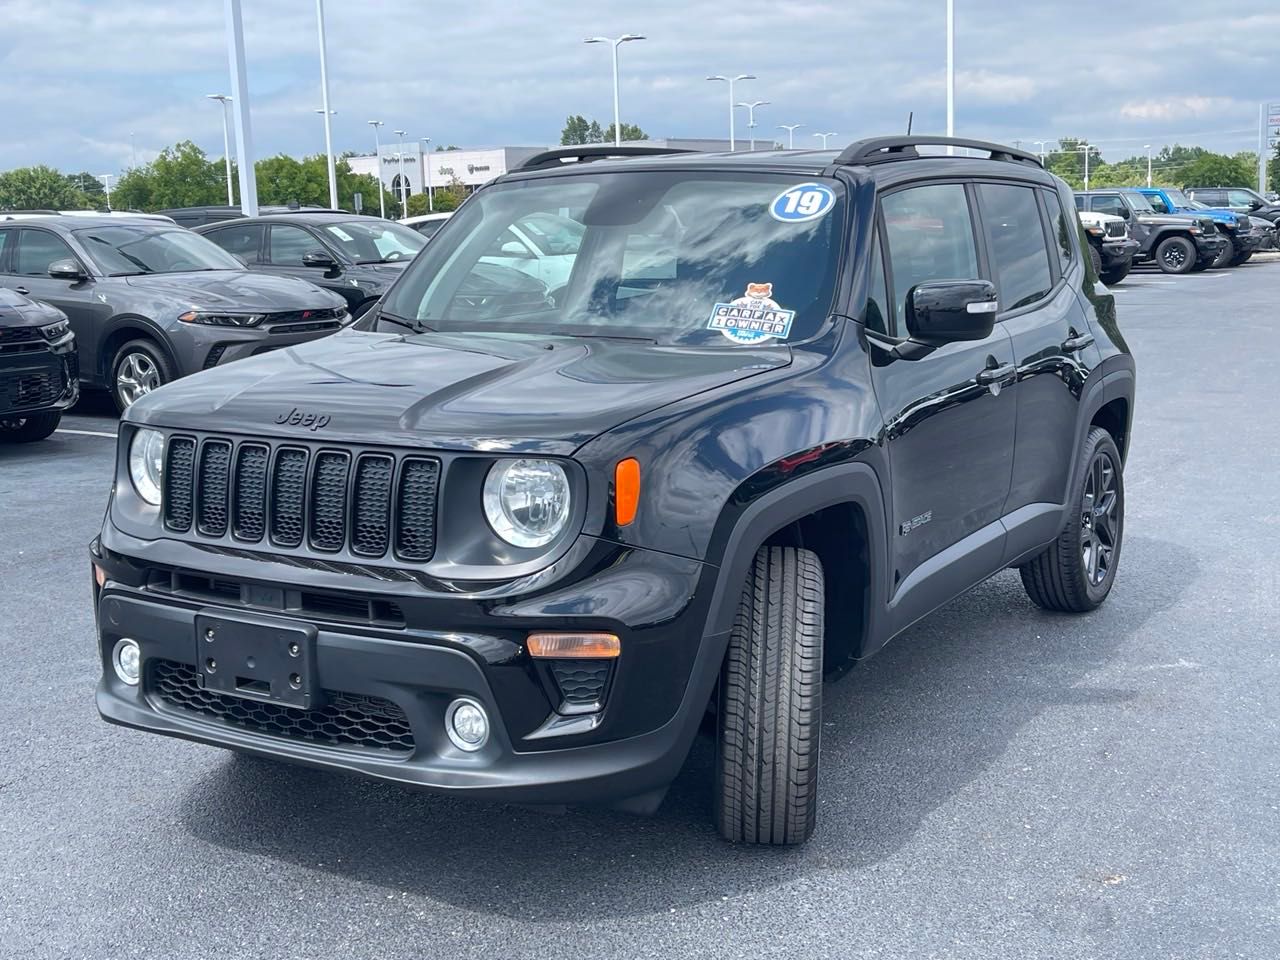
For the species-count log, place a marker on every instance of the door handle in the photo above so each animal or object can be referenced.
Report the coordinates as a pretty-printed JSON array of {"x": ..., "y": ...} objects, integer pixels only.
[
  {"x": 22, "y": 290},
  {"x": 1077, "y": 343},
  {"x": 996, "y": 374}
]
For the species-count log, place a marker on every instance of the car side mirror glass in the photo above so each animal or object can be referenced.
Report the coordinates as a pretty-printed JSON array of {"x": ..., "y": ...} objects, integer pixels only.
[
  {"x": 318, "y": 258},
  {"x": 514, "y": 248},
  {"x": 67, "y": 269},
  {"x": 1255, "y": 205},
  {"x": 947, "y": 311}
]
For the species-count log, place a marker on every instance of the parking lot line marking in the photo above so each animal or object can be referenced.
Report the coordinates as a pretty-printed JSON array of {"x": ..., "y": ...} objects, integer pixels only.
[{"x": 86, "y": 433}]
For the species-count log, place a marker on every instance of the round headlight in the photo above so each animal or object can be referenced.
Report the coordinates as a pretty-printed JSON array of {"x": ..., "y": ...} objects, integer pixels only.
[
  {"x": 527, "y": 501},
  {"x": 146, "y": 464}
]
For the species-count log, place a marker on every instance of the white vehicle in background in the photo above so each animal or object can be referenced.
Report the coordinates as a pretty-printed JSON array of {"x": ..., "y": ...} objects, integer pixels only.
[
  {"x": 541, "y": 245},
  {"x": 427, "y": 224},
  {"x": 1110, "y": 247}
]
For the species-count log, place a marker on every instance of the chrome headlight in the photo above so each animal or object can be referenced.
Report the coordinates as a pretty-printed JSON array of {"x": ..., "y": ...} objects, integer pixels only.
[
  {"x": 146, "y": 464},
  {"x": 527, "y": 501}
]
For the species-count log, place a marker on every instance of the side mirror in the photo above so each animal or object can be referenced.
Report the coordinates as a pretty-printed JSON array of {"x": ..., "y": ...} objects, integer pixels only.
[
  {"x": 318, "y": 258},
  {"x": 67, "y": 269},
  {"x": 1255, "y": 205},
  {"x": 945, "y": 311},
  {"x": 514, "y": 248}
]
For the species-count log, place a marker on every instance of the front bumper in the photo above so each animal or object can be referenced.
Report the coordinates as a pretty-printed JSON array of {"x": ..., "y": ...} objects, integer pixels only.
[
  {"x": 1117, "y": 253},
  {"x": 1208, "y": 247},
  {"x": 448, "y": 648},
  {"x": 39, "y": 380},
  {"x": 214, "y": 346}
]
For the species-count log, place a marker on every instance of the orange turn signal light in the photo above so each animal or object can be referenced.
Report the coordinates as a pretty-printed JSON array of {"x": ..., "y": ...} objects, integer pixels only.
[
  {"x": 99, "y": 576},
  {"x": 626, "y": 490},
  {"x": 574, "y": 646}
]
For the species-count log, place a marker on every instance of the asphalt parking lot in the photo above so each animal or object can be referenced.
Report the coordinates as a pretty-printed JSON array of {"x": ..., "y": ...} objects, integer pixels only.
[{"x": 1000, "y": 782}]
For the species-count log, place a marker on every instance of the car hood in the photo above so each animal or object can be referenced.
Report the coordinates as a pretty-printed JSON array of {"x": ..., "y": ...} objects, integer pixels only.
[
  {"x": 17, "y": 311},
  {"x": 489, "y": 392},
  {"x": 1162, "y": 219},
  {"x": 237, "y": 290}
]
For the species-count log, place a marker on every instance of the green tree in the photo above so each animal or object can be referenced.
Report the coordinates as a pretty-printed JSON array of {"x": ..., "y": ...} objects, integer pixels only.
[
  {"x": 39, "y": 188},
  {"x": 629, "y": 132},
  {"x": 1273, "y": 171},
  {"x": 87, "y": 184},
  {"x": 594, "y": 133},
  {"x": 181, "y": 176},
  {"x": 450, "y": 196},
  {"x": 576, "y": 130},
  {"x": 1216, "y": 170},
  {"x": 451, "y": 146}
]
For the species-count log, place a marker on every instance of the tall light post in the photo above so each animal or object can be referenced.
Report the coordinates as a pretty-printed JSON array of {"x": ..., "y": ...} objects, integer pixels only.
[
  {"x": 426, "y": 162},
  {"x": 133, "y": 151},
  {"x": 226, "y": 142},
  {"x": 615, "y": 43},
  {"x": 106, "y": 185},
  {"x": 324, "y": 103},
  {"x": 751, "y": 118},
  {"x": 825, "y": 137},
  {"x": 404, "y": 196},
  {"x": 731, "y": 81},
  {"x": 1147, "y": 147},
  {"x": 1041, "y": 145},
  {"x": 377, "y": 156},
  {"x": 791, "y": 129},
  {"x": 1086, "y": 147},
  {"x": 951, "y": 70},
  {"x": 240, "y": 96}
]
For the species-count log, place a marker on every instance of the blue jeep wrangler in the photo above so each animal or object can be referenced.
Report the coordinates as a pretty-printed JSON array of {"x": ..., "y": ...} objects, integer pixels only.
[{"x": 1242, "y": 239}]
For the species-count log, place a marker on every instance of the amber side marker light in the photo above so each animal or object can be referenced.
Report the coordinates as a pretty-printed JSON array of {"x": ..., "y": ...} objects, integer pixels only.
[
  {"x": 99, "y": 575},
  {"x": 626, "y": 490},
  {"x": 574, "y": 646}
]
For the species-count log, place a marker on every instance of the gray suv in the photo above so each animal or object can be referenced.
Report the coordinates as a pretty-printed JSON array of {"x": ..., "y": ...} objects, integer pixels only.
[{"x": 150, "y": 302}]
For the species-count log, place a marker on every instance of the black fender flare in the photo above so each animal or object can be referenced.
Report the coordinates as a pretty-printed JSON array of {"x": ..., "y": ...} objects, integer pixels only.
[
  {"x": 1114, "y": 379},
  {"x": 142, "y": 328},
  {"x": 855, "y": 482}
]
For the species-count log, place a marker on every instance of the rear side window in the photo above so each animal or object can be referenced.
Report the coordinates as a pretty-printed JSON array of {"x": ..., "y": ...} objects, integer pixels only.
[
  {"x": 1062, "y": 227},
  {"x": 4, "y": 243},
  {"x": 930, "y": 236},
  {"x": 1015, "y": 237},
  {"x": 37, "y": 250},
  {"x": 244, "y": 241}
]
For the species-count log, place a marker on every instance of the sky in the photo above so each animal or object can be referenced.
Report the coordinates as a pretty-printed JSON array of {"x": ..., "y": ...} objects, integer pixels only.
[{"x": 92, "y": 84}]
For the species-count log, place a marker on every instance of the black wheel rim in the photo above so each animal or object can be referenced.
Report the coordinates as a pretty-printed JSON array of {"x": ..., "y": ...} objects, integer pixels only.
[
  {"x": 1174, "y": 255},
  {"x": 1099, "y": 520}
]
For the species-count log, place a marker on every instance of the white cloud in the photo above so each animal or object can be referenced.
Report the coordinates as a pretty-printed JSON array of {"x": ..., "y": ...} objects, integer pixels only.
[{"x": 1175, "y": 108}]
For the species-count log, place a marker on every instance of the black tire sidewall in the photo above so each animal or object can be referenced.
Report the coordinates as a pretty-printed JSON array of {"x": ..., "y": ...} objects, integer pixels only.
[
  {"x": 1101, "y": 441},
  {"x": 1186, "y": 245},
  {"x": 37, "y": 426},
  {"x": 1095, "y": 258}
]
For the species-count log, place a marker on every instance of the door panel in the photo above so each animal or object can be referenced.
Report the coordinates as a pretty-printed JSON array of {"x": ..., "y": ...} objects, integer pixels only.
[{"x": 286, "y": 245}]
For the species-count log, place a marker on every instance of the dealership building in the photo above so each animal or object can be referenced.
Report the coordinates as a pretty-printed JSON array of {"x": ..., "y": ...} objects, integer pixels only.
[{"x": 425, "y": 169}]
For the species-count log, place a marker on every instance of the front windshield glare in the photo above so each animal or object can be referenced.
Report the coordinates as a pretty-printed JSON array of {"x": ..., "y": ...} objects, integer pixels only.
[
  {"x": 1178, "y": 198},
  {"x": 122, "y": 251},
  {"x": 673, "y": 257},
  {"x": 1140, "y": 203},
  {"x": 366, "y": 241}
]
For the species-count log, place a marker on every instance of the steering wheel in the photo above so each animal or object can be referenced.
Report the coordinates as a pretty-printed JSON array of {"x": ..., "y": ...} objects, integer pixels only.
[{"x": 393, "y": 256}]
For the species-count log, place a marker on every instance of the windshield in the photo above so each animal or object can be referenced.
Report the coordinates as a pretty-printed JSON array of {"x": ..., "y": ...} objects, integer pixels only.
[
  {"x": 1139, "y": 202},
  {"x": 1197, "y": 205},
  {"x": 1178, "y": 198},
  {"x": 369, "y": 241},
  {"x": 673, "y": 257},
  {"x": 125, "y": 251}
]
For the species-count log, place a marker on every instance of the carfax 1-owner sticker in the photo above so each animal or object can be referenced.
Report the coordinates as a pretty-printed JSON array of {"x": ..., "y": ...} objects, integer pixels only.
[{"x": 752, "y": 318}]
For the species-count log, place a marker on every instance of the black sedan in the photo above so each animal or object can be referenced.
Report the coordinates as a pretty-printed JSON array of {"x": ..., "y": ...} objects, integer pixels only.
[{"x": 356, "y": 257}]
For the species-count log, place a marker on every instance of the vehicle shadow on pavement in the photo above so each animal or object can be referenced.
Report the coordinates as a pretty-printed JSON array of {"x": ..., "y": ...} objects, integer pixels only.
[{"x": 902, "y": 734}]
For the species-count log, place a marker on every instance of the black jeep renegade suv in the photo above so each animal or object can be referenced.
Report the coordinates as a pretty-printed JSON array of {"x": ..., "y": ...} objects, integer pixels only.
[{"x": 517, "y": 541}]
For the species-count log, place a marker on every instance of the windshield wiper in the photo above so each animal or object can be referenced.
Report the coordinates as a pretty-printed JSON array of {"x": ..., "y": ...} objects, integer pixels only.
[{"x": 417, "y": 326}]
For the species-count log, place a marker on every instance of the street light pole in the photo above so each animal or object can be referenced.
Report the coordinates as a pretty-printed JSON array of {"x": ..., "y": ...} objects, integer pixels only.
[
  {"x": 615, "y": 42},
  {"x": 1147, "y": 147},
  {"x": 791, "y": 133},
  {"x": 951, "y": 70},
  {"x": 133, "y": 151},
  {"x": 1086, "y": 148},
  {"x": 226, "y": 142},
  {"x": 106, "y": 184},
  {"x": 825, "y": 137},
  {"x": 751, "y": 118},
  {"x": 404, "y": 196},
  {"x": 731, "y": 81},
  {"x": 377, "y": 156},
  {"x": 426, "y": 162},
  {"x": 324, "y": 103},
  {"x": 1041, "y": 144},
  {"x": 240, "y": 97}
]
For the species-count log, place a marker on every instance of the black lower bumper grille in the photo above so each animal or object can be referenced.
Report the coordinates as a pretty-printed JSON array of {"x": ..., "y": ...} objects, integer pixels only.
[
  {"x": 346, "y": 720},
  {"x": 32, "y": 389}
]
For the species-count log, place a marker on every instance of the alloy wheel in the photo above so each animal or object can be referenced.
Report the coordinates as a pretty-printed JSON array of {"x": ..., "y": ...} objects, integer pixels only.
[
  {"x": 1175, "y": 256},
  {"x": 1099, "y": 525},
  {"x": 136, "y": 377}
]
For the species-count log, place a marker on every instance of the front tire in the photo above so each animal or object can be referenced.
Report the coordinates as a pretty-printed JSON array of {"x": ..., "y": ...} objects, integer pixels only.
[
  {"x": 138, "y": 368},
  {"x": 1226, "y": 256},
  {"x": 1114, "y": 276},
  {"x": 1095, "y": 258},
  {"x": 770, "y": 703},
  {"x": 1075, "y": 574},
  {"x": 1176, "y": 255},
  {"x": 28, "y": 429}
]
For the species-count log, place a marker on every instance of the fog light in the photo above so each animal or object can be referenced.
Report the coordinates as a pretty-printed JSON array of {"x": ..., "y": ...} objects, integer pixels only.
[
  {"x": 467, "y": 725},
  {"x": 127, "y": 660}
]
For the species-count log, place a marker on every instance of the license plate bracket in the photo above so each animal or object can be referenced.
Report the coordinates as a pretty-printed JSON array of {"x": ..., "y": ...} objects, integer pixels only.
[{"x": 257, "y": 658}]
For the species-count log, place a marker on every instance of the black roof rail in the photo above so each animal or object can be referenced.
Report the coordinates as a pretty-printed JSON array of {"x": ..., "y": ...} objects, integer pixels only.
[
  {"x": 558, "y": 156},
  {"x": 885, "y": 149},
  {"x": 29, "y": 213}
]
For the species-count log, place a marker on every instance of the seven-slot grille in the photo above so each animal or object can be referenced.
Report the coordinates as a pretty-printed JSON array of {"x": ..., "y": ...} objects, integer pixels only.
[
  {"x": 1115, "y": 228},
  {"x": 370, "y": 503}
]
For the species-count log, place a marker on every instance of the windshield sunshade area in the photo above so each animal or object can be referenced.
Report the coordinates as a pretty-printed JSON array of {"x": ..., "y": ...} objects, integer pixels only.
[
  {"x": 667, "y": 256},
  {"x": 367, "y": 242},
  {"x": 123, "y": 251}
]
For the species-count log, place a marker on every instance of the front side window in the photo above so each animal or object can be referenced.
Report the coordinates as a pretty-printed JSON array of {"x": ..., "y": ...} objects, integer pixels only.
[
  {"x": 1015, "y": 238},
  {"x": 930, "y": 237},
  {"x": 1243, "y": 198},
  {"x": 1157, "y": 203},
  {"x": 37, "y": 250},
  {"x": 673, "y": 257},
  {"x": 288, "y": 245},
  {"x": 1063, "y": 229},
  {"x": 125, "y": 251},
  {"x": 1110, "y": 203},
  {"x": 369, "y": 241}
]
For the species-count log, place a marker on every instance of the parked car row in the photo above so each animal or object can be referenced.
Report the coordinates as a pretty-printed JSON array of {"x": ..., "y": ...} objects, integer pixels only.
[{"x": 1170, "y": 228}]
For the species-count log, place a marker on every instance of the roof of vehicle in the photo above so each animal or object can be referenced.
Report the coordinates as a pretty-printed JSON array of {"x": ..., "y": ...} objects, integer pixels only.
[
  {"x": 61, "y": 223},
  {"x": 1097, "y": 190},
  {"x": 294, "y": 216}
]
